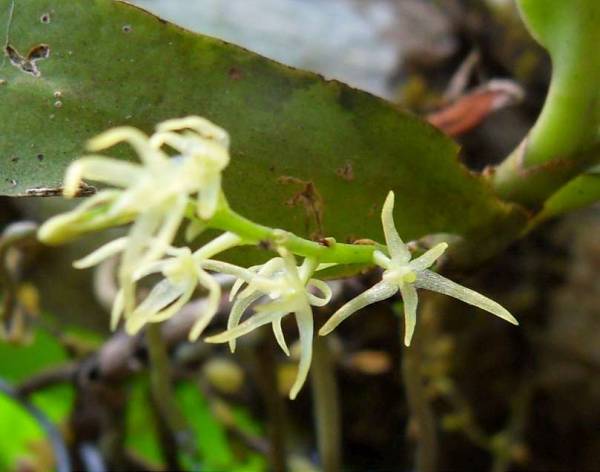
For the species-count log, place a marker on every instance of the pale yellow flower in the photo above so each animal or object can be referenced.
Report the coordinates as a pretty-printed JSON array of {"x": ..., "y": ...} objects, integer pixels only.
[
  {"x": 182, "y": 271},
  {"x": 290, "y": 289},
  {"x": 155, "y": 191},
  {"x": 406, "y": 275}
]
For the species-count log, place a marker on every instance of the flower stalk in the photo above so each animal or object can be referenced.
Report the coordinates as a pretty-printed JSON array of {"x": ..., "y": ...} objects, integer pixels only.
[{"x": 162, "y": 191}]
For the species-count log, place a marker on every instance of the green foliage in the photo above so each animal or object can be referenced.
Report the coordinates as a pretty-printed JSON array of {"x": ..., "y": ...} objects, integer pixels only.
[
  {"x": 565, "y": 139},
  {"x": 309, "y": 155},
  {"x": 214, "y": 447},
  {"x": 19, "y": 432}
]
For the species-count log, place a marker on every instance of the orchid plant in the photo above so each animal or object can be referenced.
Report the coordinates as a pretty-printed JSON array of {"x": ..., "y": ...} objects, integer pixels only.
[{"x": 162, "y": 191}]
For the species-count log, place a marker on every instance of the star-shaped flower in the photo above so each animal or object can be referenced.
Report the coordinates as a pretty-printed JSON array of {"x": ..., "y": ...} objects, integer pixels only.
[
  {"x": 291, "y": 290},
  {"x": 406, "y": 275},
  {"x": 182, "y": 271}
]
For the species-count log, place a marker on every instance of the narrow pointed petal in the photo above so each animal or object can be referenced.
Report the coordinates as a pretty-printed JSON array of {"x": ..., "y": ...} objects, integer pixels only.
[
  {"x": 237, "y": 311},
  {"x": 208, "y": 197},
  {"x": 382, "y": 260},
  {"x": 162, "y": 295},
  {"x": 323, "y": 288},
  {"x": 216, "y": 246},
  {"x": 278, "y": 332},
  {"x": 431, "y": 281},
  {"x": 137, "y": 139},
  {"x": 289, "y": 261},
  {"x": 101, "y": 254},
  {"x": 117, "y": 310},
  {"x": 235, "y": 288},
  {"x": 427, "y": 260},
  {"x": 166, "y": 234},
  {"x": 202, "y": 126},
  {"x": 230, "y": 269},
  {"x": 256, "y": 321},
  {"x": 304, "y": 320},
  {"x": 100, "y": 169},
  {"x": 139, "y": 236},
  {"x": 175, "y": 307},
  {"x": 193, "y": 230},
  {"x": 376, "y": 293},
  {"x": 396, "y": 246},
  {"x": 152, "y": 268},
  {"x": 214, "y": 297},
  {"x": 307, "y": 268},
  {"x": 410, "y": 300}
]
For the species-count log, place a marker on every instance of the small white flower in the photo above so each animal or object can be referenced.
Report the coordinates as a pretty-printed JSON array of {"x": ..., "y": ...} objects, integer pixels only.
[
  {"x": 406, "y": 275},
  {"x": 290, "y": 289},
  {"x": 183, "y": 271},
  {"x": 154, "y": 192}
]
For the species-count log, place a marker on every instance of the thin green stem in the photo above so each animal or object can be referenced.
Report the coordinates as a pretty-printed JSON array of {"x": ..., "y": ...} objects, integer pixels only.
[
  {"x": 561, "y": 143},
  {"x": 253, "y": 233}
]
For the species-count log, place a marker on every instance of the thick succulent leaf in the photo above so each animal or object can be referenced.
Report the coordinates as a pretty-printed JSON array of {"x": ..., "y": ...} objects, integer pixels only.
[{"x": 310, "y": 155}]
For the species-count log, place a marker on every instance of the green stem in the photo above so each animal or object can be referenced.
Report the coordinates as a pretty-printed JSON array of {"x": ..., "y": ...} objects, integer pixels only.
[
  {"x": 253, "y": 233},
  {"x": 559, "y": 145}
]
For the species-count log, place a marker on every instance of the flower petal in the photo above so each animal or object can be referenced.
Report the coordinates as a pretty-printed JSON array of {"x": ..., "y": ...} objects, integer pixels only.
[
  {"x": 208, "y": 197},
  {"x": 428, "y": 259},
  {"x": 377, "y": 292},
  {"x": 323, "y": 288},
  {"x": 202, "y": 126},
  {"x": 139, "y": 236},
  {"x": 436, "y": 283},
  {"x": 101, "y": 254},
  {"x": 237, "y": 311},
  {"x": 158, "y": 245},
  {"x": 304, "y": 320},
  {"x": 137, "y": 139},
  {"x": 410, "y": 300},
  {"x": 162, "y": 294},
  {"x": 214, "y": 297},
  {"x": 252, "y": 323},
  {"x": 396, "y": 246},
  {"x": 218, "y": 245},
  {"x": 100, "y": 169},
  {"x": 226, "y": 268},
  {"x": 117, "y": 310},
  {"x": 278, "y": 332}
]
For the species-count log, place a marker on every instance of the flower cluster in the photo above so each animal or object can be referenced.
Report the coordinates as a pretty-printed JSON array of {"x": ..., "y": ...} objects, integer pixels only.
[{"x": 157, "y": 194}]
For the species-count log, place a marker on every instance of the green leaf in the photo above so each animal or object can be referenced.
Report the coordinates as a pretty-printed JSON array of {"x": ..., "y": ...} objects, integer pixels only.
[
  {"x": 312, "y": 156},
  {"x": 213, "y": 443},
  {"x": 19, "y": 432},
  {"x": 141, "y": 430}
]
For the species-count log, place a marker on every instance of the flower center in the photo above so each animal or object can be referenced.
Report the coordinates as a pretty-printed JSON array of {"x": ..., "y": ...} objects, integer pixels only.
[{"x": 400, "y": 275}]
